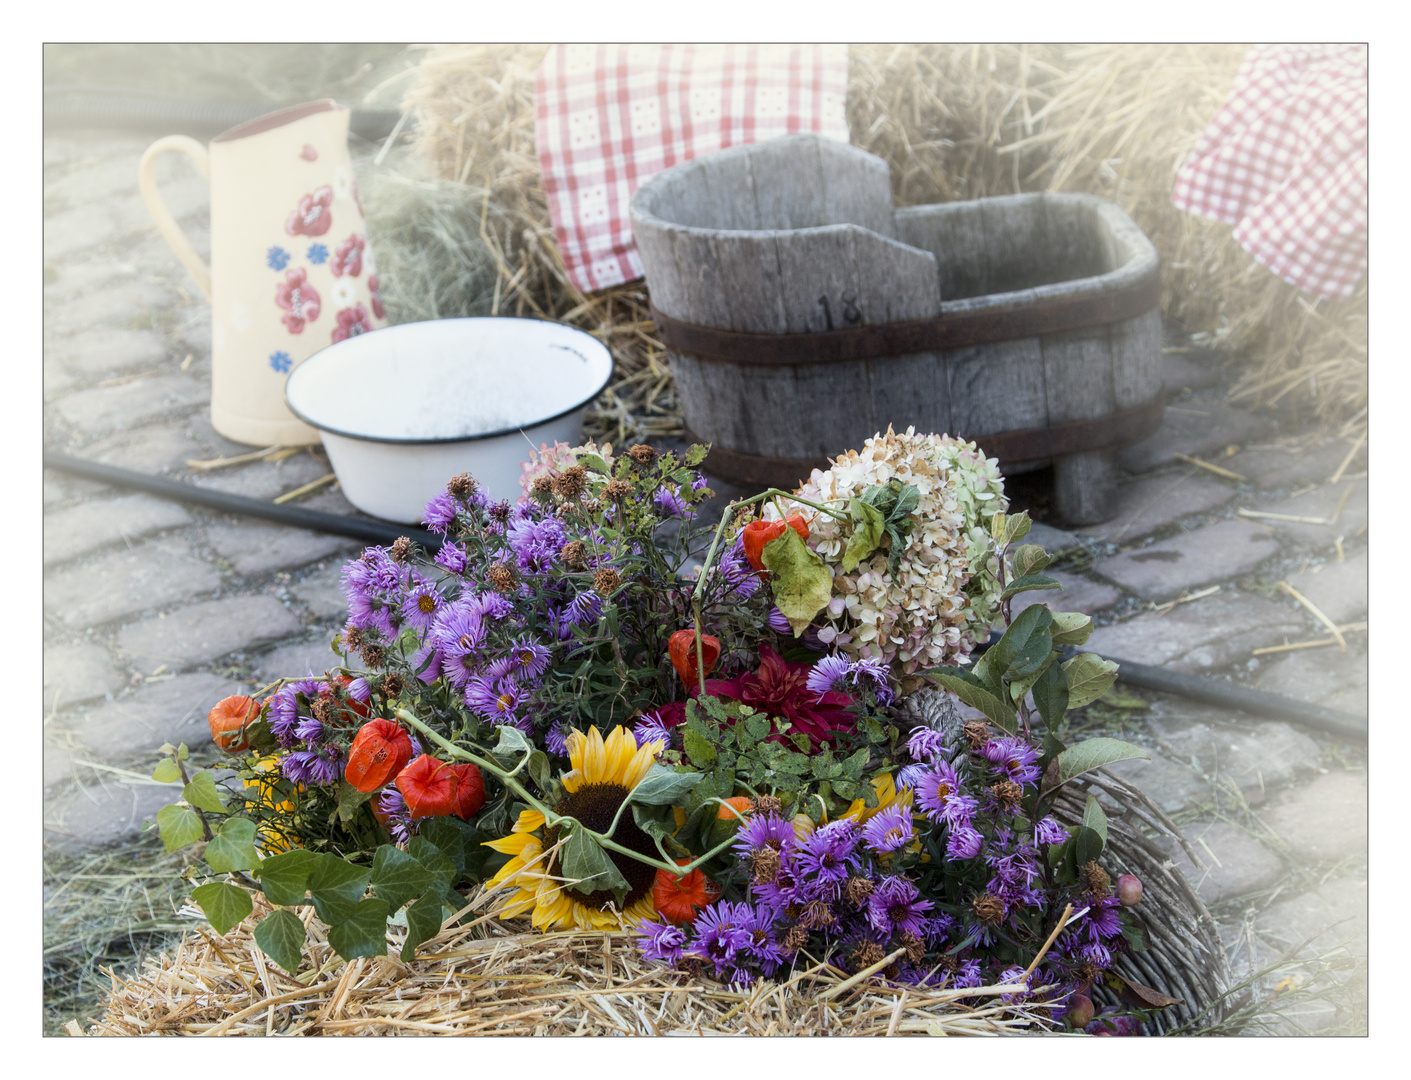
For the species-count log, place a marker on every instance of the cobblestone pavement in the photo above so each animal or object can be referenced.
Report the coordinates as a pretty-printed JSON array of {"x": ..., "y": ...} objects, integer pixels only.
[{"x": 153, "y": 611}]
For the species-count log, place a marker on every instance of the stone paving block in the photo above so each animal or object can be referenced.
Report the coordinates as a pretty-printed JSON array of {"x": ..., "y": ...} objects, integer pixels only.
[
  {"x": 160, "y": 448},
  {"x": 69, "y": 231},
  {"x": 91, "y": 526},
  {"x": 115, "y": 305},
  {"x": 106, "y": 352},
  {"x": 1257, "y": 755},
  {"x": 1194, "y": 428},
  {"x": 96, "y": 182},
  {"x": 1324, "y": 821},
  {"x": 104, "y": 408},
  {"x": 1338, "y": 589},
  {"x": 314, "y": 654},
  {"x": 1323, "y": 503},
  {"x": 103, "y": 813},
  {"x": 322, "y": 592},
  {"x": 92, "y": 275},
  {"x": 257, "y": 548},
  {"x": 78, "y": 673},
  {"x": 1325, "y": 676},
  {"x": 1235, "y": 863},
  {"x": 1188, "y": 561},
  {"x": 151, "y": 576},
  {"x": 1275, "y": 466},
  {"x": 1151, "y": 503},
  {"x": 263, "y": 479},
  {"x": 1173, "y": 786},
  {"x": 1050, "y": 539},
  {"x": 203, "y": 632},
  {"x": 1078, "y": 594},
  {"x": 168, "y": 709},
  {"x": 57, "y": 382},
  {"x": 1208, "y": 633}
]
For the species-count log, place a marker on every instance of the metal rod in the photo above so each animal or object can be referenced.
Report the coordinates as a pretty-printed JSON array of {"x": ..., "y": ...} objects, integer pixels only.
[{"x": 377, "y": 532}]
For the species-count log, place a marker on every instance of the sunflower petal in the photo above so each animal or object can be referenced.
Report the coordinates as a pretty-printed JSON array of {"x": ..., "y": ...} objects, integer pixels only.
[
  {"x": 594, "y": 766},
  {"x": 572, "y": 781},
  {"x": 512, "y": 844},
  {"x": 529, "y": 820},
  {"x": 637, "y": 767}
]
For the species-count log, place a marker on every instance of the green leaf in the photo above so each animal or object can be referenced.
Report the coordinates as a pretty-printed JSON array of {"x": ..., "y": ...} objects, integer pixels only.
[
  {"x": 201, "y": 793},
  {"x": 336, "y": 886},
  {"x": 1050, "y": 692},
  {"x": 696, "y": 454},
  {"x": 458, "y": 840},
  {"x": 587, "y": 866},
  {"x": 868, "y": 525},
  {"x": 977, "y": 697},
  {"x": 178, "y": 826},
  {"x": 1029, "y": 559},
  {"x": 1028, "y": 583},
  {"x": 397, "y": 877},
  {"x": 350, "y": 799},
  {"x": 512, "y": 747},
  {"x": 664, "y": 787},
  {"x": 1007, "y": 528},
  {"x": 1071, "y": 627},
  {"x": 698, "y": 749},
  {"x": 801, "y": 582},
  {"x": 1091, "y": 754},
  {"x": 233, "y": 848},
  {"x": 908, "y": 497},
  {"x": 594, "y": 462},
  {"x": 281, "y": 936},
  {"x": 655, "y": 821},
  {"x": 363, "y": 932},
  {"x": 1025, "y": 646},
  {"x": 1089, "y": 677},
  {"x": 423, "y": 923},
  {"x": 166, "y": 772},
  {"x": 540, "y": 771},
  {"x": 224, "y": 904},
  {"x": 284, "y": 878},
  {"x": 182, "y": 753},
  {"x": 442, "y": 867},
  {"x": 1095, "y": 819},
  {"x": 1087, "y": 846}
]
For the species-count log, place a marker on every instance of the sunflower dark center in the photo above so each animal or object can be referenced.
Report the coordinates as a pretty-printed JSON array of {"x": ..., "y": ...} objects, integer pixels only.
[{"x": 595, "y": 805}]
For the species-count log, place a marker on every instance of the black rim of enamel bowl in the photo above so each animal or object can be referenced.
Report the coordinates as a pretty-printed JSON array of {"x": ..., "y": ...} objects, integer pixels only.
[{"x": 612, "y": 367}]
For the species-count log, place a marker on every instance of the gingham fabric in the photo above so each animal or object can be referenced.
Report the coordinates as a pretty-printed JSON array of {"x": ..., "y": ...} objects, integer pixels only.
[
  {"x": 610, "y": 116},
  {"x": 1285, "y": 163}
]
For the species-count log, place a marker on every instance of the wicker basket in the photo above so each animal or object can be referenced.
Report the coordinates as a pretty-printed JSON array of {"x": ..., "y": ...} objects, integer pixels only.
[{"x": 1185, "y": 958}]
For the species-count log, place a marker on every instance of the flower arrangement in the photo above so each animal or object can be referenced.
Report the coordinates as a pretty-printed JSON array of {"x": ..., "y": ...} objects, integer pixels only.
[{"x": 548, "y": 706}]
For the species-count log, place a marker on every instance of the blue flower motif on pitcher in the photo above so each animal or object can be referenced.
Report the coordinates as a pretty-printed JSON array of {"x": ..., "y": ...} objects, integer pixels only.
[
  {"x": 281, "y": 361},
  {"x": 317, "y": 254},
  {"x": 277, "y": 258}
]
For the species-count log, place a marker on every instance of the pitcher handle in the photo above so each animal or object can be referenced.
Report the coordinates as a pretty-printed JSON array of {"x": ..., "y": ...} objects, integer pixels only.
[{"x": 166, "y": 224}]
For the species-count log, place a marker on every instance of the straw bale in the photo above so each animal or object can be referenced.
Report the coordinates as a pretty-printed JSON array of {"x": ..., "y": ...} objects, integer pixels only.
[
  {"x": 953, "y": 122},
  {"x": 489, "y": 977}
]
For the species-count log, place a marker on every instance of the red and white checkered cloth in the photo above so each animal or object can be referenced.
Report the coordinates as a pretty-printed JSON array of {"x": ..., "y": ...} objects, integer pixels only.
[
  {"x": 1285, "y": 162},
  {"x": 610, "y": 116}
]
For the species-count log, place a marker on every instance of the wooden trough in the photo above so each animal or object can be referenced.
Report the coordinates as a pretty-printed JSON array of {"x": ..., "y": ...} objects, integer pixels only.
[{"x": 802, "y": 314}]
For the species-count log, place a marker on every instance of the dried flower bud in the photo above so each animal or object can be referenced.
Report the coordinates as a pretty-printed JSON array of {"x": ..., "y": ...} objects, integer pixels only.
[
  {"x": 989, "y": 908},
  {"x": 642, "y": 454},
  {"x": 542, "y": 487},
  {"x": 617, "y": 489},
  {"x": 867, "y": 954},
  {"x": 393, "y": 684},
  {"x": 462, "y": 485},
  {"x": 500, "y": 512},
  {"x": 915, "y": 948},
  {"x": 817, "y": 915},
  {"x": 857, "y": 890},
  {"x": 764, "y": 864},
  {"x": 1008, "y": 794},
  {"x": 500, "y": 577},
  {"x": 574, "y": 554},
  {"x": 401, "y": 549},
  {"x": 322, "y": 710},
  {"x": 606, "y": 580},
  {"x": 768, "y": 804},
  {"x": 571, "y": 482},
  {"x": 1096, "y": 884},
  {"x": 374, "y": 655},
  {"x": 353, "y": 639},
  {"x": 976, "y": 733},
  {"x": 795, "y": 939}
]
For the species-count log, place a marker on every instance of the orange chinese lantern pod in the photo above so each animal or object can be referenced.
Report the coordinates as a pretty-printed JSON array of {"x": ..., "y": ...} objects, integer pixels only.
[
  {"x": 734, "y": 808},
  {"x": 677, "y": 898},
  {"x": 429, "y": 787},
  {"x": 379, "y": 752},
  {"x": 682, "y": 648},
  {"x": 757, "y": 534},
  {"x": 230, "y": 720},
  {"x": 470, "y": 790}
]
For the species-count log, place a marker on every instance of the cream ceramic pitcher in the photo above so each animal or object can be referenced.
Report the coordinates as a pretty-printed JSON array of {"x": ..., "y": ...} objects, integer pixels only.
[{"x": 291, "y": 271}]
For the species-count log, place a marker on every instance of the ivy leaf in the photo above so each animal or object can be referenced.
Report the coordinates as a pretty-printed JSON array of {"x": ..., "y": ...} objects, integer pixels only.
[
  {"x": 363, "y": 932},
  {"x": 397, "y": 877},
  {"x": 281, "y": 936},
  {"x": 868, "y": 526},
  {"x": 511, "y": 747},
  {"x": 1028, "y": 583},
  {"x": 442, "y": 867},
  {"x": 201, "y": 793},
  {"x": 458, "y": 840},
  {"x": 664, "y": 787},
  {"x": 224, "y": 904},
  {"x": 233, "y": 848},
  {"x": 587, "y": 866},
  {"x": 1089, "y": 677},
  {"x": 336, "y": 886},
  {"x": 166, "y": 772},
  {"x": 284, "y": 878},
  {"x": 655, "y": 821},
  {"x": 1088, "y": 755},
  {"x": 801, "y": 582},
  {"x": 350, "y": 799},
  {"x": 423, "y": 923},
  {"x": 1071, "y": 627},
  {"x": 1050, "y": 691},
  {"x": 1030, "y": 559},
  {"x": 978, "y": 697},
  {"x": 178, "y": 826}
]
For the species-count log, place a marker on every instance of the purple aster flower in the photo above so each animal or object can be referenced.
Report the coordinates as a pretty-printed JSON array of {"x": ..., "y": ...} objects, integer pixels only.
[
  {"x": 556, "y": 738},
  {"x": 936, "y": 928},
  {"x": 421, "y": 605},
  {"x": 1101, "y": 922},
  {"x": 536, "y": 544},
  {"x": 925, "y": 743},
  {"x": 450, "y": 557},
  {"x": 1015, "y": 757},
  {"x": 1015, "y": 868},
  {"x": 698, "y": 482},
  {"x": 321, "y": 767},
  {"x": 529, "y": 658},
  {"x": 938, "y": 791},
  {"x": 502, "y": 667},
  {"x": 1014, "y": 975},
  {"x": 359, "y": 690},
  {"x": 584, "y": 609},
  {"x": 968, "y": 974},
  {"x": 889, "y": 830},
  {"x": 963, "y": 843},
  {"x": 737, "y": 572},
  {"x": 650, "y": 728},
  {"x": 399, "y": 816},
  {"x": 1093, "y": 953},
  {"x": 440, "y": 512},
  {"x": 826, "y": 674},
  {"x": 779, "y": 623},
  {"x": 829, "y": 854},
  {"x": 670, "y": 504},
  {"x": 765, "y": 831},
  {"x": 791, "y": 885},
  {"x": 1049, "y": 831},
  {"x": 458, "y": 633},
  {"x": 763, "y": 944},
  {"x": 309, "y": 730},
  {"x": 495, "y": 702},
  {"x": 908, "y": 775},
  {"x": 492, "y": 605},
  {"x": 284, "y": 715},
  {"x": 721, "y": 933},
  {"x": 896, "y": 907},
  {"x": 661, "y": 942},
  {"x": 875, "y": 670}
]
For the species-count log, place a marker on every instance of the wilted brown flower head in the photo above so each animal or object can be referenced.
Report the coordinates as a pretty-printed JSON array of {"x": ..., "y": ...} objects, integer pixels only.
[
  {"x": 764, "y": 865},
  {"x": 857, "y": 890},
  {"x": 401, "y": 549},
  {"x": 867, "y": 954},
  {"x": 393, "y": 684},
  {"x": 374, "y": 655},
  {"x": 915, "y": 947},
  {"x": 573, "y": 554},
  {"x": 353, "y": 639},
  {"x": 571, "y": 481},
  {"x": 606, "y": 580},
  {"x": 1096, "y": 883},
  {"x": 1007, "y": 793},
  {"x": 767, "y": 804},
  {"x": 795, "y": 939},
  {"x": 642, "y": 454},
  {"x": 542, "y": 487},
  {"x": 976, "y": 733},
  {"x": 989, "y": 908},
  {"x": 500, "y": 577},
  {"x": 461, "y": 485},
  {"x": 617, "y": 489}
]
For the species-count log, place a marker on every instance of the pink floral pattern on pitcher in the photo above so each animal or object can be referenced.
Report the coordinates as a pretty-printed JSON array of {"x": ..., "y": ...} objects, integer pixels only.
[
  {"x": 312, "y": 217},
  {"x": 377, "y": 308},
  {"x": 300, "y": 301},
  {"x": 348, "y": 258},
  {"x": 352, "y": 322}
]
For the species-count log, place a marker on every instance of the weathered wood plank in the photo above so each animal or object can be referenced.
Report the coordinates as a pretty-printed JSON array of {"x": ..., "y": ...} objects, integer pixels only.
[
  {"x": 1136, "y": 359},
  {"x": 996, "y": 387},
  {"x": 955, "y": 234},
  {"x": 857, "y": 188}
]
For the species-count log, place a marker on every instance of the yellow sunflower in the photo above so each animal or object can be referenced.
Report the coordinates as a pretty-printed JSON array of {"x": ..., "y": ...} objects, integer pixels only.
[
  {"x": 272, "y": 839},
  {"x": 603, "y": 774}
]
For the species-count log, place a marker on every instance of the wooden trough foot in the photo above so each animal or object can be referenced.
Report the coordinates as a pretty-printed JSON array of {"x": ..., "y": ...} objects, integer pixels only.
[{"x": 1085, "y": 487}]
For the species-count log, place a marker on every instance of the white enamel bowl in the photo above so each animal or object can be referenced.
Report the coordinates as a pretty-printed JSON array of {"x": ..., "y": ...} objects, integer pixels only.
[{"x": 405, "y": 408}]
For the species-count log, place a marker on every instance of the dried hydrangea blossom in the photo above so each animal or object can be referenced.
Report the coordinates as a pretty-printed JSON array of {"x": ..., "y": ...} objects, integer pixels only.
[{"x": 939, "y": 604}]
